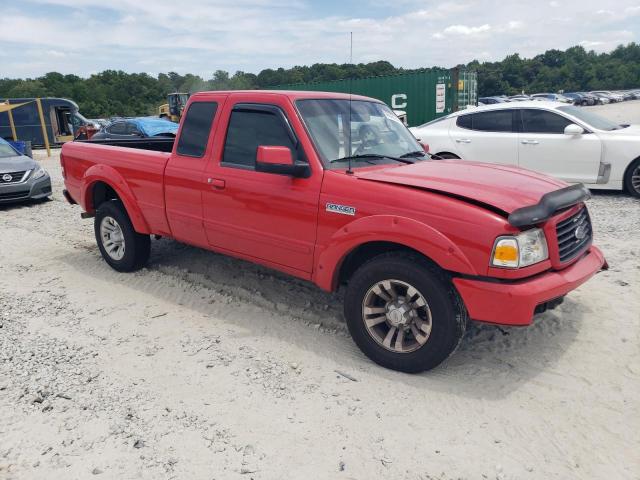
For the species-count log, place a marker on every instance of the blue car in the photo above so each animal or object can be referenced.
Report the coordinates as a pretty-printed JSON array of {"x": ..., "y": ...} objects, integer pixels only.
[{"x": 139, "y": 127}]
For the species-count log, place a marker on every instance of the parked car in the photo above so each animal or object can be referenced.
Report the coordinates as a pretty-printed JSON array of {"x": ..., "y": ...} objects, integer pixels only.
[
  {"x": 613, "y": 97},
  {"x": 602, "y": 99},
  {"x": 567, "y": 142},
  {"x": 553, "y": 97},
  {"x": 579, "y": 98},
  {"x": 141, "y": 127},
  {"x": 519, "y": 98},
  {"x": 626, "y": 95},
  {"x": 491, "y": 100},
  {"x": 21, "y": 177},
  {"x": 421, "y": 245}
]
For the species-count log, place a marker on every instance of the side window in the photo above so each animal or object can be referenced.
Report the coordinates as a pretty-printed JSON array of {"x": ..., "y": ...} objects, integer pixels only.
[
  {"x": 542, "y": 121},
  {"x": 494, "y": 121},
  {"x": 464, "y": 121},
  {"x": 249, "y": 129},
  {"x": 132, "y": 129},
  {"x": 196, "y": 129},
  {"x": 118, "y": 128}
]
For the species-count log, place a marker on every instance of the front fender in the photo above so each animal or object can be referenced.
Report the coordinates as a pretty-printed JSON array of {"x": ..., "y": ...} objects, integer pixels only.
[
  {"x": 386, "y": 228},
  {"x": 110, "y": 176}
]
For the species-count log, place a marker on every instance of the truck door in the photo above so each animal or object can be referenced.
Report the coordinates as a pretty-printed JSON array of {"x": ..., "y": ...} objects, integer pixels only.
[
  {"x": 259, "y": 215},
  {"x": 183, "y": 184}
]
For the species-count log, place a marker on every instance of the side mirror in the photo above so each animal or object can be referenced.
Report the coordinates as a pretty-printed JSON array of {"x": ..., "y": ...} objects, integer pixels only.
[
  {"x": 573, "y": 129},
  {"x": 279, "y": 160},
  {"x": 425, "y": 146}
]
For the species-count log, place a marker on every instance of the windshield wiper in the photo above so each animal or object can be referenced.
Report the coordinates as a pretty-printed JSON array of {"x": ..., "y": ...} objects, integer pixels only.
[
  {"x": 372, "y": 155},
  {"x": 417, "y": 153}
]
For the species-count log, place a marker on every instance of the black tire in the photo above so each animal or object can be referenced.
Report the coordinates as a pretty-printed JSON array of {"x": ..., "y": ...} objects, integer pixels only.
[
  {"x": 448, "y": 314},
  {"x": 445, "y": 156},
  {"x": 136, "y": 246},
  {"x": 628, "y": 178},
  {"x": 585, "y": 103}
]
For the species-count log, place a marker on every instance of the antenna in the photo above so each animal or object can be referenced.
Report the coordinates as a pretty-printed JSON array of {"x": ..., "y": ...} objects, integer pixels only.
[{"x": 349, "y": 171}]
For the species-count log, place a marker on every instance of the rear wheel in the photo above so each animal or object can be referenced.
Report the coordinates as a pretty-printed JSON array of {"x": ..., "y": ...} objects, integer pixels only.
[
  {"x": 632, "y": 178},
  {"x": 121, "y": 246},
  {"x": 402, "y": 312}
]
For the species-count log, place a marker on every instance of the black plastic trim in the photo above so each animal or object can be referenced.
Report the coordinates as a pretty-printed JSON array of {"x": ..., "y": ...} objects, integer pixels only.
[{"x": 549, "y": 204}]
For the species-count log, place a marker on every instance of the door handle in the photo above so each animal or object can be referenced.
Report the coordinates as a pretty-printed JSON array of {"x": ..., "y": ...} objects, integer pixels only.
[
  {"x": 530, "y": 142},
  {"x": 463, "y": 140},
  {"x": 217, "y": 183}
]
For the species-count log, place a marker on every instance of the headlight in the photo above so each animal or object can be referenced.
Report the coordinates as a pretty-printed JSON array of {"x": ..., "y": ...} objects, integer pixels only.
[
  {"x": 520, "y": 250},
  {"x": 38, "y": 172}
]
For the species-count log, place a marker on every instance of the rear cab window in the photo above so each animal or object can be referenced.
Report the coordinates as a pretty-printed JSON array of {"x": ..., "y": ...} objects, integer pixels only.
[{"x": 196, "y": 129}]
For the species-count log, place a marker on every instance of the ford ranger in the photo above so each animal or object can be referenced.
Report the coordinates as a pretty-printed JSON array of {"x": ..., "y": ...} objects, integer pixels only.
[{"x": 334, "y": 189}]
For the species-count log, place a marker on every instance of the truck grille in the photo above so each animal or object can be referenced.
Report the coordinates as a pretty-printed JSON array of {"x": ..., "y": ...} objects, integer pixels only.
[
  {"x": 574, "y": 235},
  {"x": 11, "y": 177}
]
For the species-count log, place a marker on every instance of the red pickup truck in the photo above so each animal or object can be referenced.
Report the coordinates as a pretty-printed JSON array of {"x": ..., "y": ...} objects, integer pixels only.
[{"x": 334, "y": 189}]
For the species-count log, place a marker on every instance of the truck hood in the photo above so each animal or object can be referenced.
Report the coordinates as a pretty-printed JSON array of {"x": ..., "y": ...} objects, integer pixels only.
[{"x": 499, "y": 186}]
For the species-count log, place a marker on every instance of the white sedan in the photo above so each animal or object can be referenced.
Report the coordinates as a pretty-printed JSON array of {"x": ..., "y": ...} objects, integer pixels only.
[{"x": 567, "y": 142}]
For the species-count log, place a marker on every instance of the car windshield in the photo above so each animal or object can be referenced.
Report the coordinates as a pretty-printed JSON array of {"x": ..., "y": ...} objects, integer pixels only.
[
  {"x": 376, "y": 134},
  {"x": 590, "y": 118},
  {"x": 6, "y": 150}
]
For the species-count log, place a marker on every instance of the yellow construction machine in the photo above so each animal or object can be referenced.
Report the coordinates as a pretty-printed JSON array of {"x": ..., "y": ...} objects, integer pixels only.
[{"x": 175, "y": 106}]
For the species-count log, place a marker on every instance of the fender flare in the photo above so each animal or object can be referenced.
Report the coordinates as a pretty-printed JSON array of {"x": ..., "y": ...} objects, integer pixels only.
[
  {"x": 387, "y": 228},
  {"x": 110, "y": 176}
]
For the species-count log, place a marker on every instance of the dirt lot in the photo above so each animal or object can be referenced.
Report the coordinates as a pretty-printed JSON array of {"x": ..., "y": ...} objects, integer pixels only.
[{"x": 205, "y": 367}]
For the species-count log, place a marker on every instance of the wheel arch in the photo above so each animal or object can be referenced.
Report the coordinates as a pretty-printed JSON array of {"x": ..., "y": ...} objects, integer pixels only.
[
  {"x": 103, "y": 183},
  {"x": 626, "y": 172},
  {"x": 368, "y": 237}
]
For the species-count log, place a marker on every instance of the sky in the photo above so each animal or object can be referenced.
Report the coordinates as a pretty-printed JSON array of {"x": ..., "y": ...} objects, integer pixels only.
[{"x": 202, "y": 36}]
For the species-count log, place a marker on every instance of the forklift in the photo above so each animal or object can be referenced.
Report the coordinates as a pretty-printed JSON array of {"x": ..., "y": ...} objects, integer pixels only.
[{"x": 174, "y": 108}]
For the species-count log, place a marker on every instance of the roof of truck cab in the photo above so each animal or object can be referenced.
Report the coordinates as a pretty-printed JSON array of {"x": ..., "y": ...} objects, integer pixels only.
[{"x": 292, "y": 94}]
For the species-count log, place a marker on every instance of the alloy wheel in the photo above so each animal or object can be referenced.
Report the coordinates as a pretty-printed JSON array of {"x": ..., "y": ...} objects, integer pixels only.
[
  {"x": 112, "y": 238},
  {"x": 397, "y": 316}
]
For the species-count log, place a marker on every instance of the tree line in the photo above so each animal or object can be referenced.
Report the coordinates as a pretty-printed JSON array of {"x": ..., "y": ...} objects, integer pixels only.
[{"x": 112, "y": 92}]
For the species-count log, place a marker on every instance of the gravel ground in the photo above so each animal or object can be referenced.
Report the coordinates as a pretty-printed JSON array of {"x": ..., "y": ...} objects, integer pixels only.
[{"x": 205, "y": 367}]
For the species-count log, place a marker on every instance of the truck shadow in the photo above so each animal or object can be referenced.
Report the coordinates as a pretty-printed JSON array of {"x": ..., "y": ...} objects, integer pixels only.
[{"x": 490, "y": 363}]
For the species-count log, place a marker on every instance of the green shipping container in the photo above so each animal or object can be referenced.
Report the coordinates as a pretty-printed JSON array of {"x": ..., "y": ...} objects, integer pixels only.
[{"x": 425, "y": 96}]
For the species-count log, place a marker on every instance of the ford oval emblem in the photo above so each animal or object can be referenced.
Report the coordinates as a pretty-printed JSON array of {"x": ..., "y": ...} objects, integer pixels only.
[
  {"x": 7, "y": 178},
  {"x": 580, "y": 232}
]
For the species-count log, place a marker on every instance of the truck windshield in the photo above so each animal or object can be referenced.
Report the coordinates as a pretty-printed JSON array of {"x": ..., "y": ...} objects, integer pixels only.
[{"x": 358, "y": 129}]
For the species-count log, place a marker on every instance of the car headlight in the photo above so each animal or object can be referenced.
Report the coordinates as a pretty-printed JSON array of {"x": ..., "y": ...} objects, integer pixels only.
[
  {"x": 515, "y": 251},
  {"x": 38, "y": 173}
]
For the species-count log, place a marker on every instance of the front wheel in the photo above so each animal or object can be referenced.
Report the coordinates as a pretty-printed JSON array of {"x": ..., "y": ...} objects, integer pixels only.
[
  {"x": 121, "y": 246},
  {"x": 632, "y": 178},
  {"x": 403, "y": 313}
]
